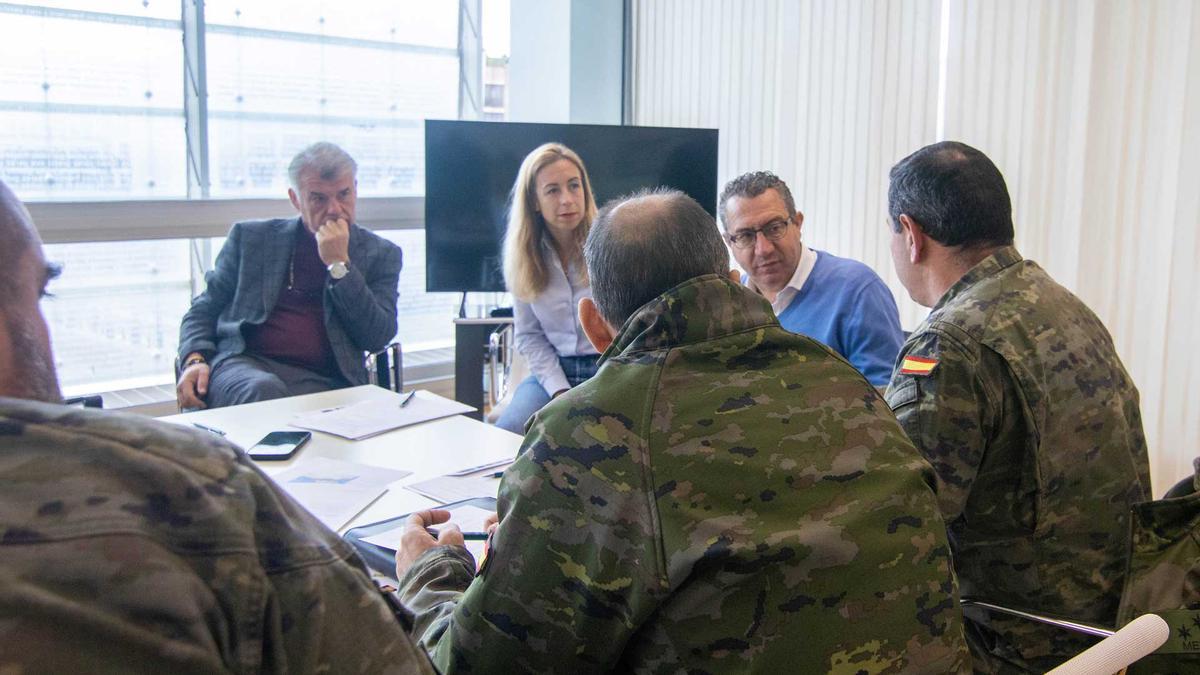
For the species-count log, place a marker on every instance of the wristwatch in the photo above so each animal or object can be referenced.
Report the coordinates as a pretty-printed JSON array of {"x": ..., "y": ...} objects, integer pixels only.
[{"x": 338, "y": 270}]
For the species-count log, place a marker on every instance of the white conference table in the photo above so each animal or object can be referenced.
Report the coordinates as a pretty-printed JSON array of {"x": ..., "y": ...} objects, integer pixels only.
[{"x": 428, "y": 449}]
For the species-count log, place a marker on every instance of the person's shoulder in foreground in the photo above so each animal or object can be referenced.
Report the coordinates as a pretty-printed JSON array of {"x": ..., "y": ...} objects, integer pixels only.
[
  {"x": 130, "y": 545},
  {"x": 722, "y": 496}
]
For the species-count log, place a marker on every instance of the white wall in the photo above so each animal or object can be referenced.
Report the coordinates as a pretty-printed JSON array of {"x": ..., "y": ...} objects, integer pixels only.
[
  {"x": 1091, "y": 108},
  {"x": 539, "y": 67},
  {"x": 566, "y": 61}
]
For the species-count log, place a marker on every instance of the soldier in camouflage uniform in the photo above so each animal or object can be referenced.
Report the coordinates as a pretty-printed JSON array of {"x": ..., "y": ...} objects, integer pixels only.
[
  {"x": 1014, "y": 392},
  {"x": 128, "y": 545},
  {"x": 723, "y": 496}
]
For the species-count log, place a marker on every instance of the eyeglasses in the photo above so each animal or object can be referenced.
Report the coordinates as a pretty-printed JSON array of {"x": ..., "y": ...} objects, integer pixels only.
[{"x": 773, "y": 231}]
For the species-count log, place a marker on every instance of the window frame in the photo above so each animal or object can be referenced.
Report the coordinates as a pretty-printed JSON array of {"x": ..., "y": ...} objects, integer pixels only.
[
  {"x": 81, "y": 222},
  {"x": 197, "y": 217}
]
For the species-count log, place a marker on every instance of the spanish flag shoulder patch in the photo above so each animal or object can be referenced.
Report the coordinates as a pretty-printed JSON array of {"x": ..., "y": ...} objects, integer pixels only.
[{"x": 917, "y": 365}]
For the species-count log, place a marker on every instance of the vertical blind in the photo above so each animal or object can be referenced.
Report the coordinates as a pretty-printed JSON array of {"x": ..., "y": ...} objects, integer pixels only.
[{"x": 1090, "y": 108}]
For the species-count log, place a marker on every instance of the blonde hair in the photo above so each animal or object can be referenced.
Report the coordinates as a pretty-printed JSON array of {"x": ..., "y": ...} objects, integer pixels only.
[{"x": 525, "y": 270}]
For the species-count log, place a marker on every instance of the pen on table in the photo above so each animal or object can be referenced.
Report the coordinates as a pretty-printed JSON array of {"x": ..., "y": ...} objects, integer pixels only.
[
  {"x": 208, "y": 428},
  {"x": 469, "y": 536},
  {"x": 408, "y": 397},
  {"x": 498, "y": 474}
]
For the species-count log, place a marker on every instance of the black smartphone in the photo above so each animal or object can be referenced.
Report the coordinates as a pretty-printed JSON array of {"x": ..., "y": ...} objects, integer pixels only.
[{"x": 279, "y": 445}]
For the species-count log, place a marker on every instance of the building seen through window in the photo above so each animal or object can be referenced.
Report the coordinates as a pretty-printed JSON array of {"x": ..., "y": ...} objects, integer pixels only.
[{"x": 93, "y": 109}]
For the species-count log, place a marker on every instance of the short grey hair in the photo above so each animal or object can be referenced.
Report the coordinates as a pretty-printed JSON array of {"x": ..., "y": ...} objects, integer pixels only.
[
  {"x": 751, "y": 185},
  {"x": 645, "y": 244},
  {"x": 323, "y": 157}
]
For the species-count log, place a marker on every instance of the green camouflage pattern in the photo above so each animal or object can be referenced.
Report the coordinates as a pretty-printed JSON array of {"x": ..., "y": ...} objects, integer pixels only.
[
  {"x": 1164, "y": 578},
  {"x": 1033, "y": 428},
  {"x": 129, "y": 546},
  {"x": 723, "y": 496}
]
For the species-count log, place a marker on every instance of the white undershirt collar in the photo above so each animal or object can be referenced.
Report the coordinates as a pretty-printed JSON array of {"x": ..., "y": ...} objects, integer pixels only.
[{"x": 804, "y": 267}]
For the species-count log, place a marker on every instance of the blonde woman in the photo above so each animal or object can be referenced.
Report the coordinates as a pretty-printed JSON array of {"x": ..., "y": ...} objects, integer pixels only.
[{"x": 552, "y": 209}]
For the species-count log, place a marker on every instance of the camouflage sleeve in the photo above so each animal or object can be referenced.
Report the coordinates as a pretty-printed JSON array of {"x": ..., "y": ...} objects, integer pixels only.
[
  {"x": 949, "y": 412},
  {"x": 570, "y": 573}
]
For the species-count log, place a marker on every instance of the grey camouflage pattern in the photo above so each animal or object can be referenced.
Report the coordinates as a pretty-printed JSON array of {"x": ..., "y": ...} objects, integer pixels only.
[
  {"x": 723, "y": 496},
  {"x": 128, "y": 545},
  {"x": 1033, "y": 427}
]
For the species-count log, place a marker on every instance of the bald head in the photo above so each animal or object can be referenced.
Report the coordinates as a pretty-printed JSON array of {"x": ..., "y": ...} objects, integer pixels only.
[
  {"x": 26, "y": 364},
  {"x": 645, "y": 244}
]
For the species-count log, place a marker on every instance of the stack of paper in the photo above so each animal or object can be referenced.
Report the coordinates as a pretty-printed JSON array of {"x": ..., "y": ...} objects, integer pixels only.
[
  {"x": 336, "y": 491},
  {"x": 446, "y": 489},
  {"x": 371, "y": 418}
]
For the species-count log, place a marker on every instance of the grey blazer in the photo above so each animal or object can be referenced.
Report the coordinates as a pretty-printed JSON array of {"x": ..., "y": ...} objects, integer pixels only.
[{"x": 360, "y": 309}]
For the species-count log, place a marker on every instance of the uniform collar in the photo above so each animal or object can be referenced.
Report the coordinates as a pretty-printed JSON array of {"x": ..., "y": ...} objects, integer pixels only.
[
  {"x": 990, "y": 266},
  {"x": 697, "y": 310}
]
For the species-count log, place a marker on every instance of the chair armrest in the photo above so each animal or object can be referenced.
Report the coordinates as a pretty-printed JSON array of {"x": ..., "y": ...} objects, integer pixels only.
[
  {"x": 385, "y": 368},
  {"x": 1073, "y": 626},
  {"x": 93, "y": 401}
]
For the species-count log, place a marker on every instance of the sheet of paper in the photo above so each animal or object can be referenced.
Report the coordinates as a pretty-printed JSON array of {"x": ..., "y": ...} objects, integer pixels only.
[
  {"x": 371, "y": 418},
  {"x": 468, "y": 518},
  {"x": 446, "y": 489},
  {"x": 496, "y": 466},
  {"x": 336, "y": 491}
]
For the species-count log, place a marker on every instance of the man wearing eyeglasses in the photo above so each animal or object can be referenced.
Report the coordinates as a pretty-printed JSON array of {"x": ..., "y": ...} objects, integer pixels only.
[{"x": 840, "y": 302}]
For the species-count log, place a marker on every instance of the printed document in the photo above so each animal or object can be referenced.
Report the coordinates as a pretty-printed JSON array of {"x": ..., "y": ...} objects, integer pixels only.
[{"x": 371, "y": 418}]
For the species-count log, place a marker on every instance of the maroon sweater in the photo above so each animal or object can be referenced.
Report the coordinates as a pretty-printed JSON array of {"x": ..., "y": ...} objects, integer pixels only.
[{"x": 294, "y": 332}]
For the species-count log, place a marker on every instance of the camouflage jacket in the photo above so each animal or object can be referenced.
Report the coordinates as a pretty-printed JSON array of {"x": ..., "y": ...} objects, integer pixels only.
[
  {"x": 1164, "y": 576},
  {"x": 1033, "y": 427},
  {"x": 723, "y": 496},
  {"x": 128, "y": 545}
]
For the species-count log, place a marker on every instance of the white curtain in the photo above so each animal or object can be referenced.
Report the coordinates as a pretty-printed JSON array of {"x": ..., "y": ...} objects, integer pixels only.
[{"x": 1091, "y": 108}]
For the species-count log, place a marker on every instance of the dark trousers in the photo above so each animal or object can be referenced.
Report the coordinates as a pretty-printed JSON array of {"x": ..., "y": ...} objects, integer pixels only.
[{"x": 245, "y": 379}]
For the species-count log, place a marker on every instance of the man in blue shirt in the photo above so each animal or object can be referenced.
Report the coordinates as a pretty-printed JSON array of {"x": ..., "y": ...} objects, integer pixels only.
[{"x": 837, "y": 301}]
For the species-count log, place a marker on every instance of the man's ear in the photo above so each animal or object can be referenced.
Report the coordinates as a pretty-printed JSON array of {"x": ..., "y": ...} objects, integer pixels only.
[
  {"x": 916, "y": 242},
  {"x": 295, "y": 200},
  {"x": 735, "y": 275},
  {"x": 799, "y": 221},
  {"x": 597, "y": 330}
]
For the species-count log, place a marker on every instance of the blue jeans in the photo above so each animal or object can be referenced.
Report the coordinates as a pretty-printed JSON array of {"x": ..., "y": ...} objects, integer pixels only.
[{"x": 530, "y": 396}]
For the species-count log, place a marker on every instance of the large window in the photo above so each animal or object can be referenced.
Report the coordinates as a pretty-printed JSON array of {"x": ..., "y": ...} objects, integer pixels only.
[
  {"x": 96, "y": 105},
  {"x": 281, "y": 72},
  {"x": 92, "y": 101}
]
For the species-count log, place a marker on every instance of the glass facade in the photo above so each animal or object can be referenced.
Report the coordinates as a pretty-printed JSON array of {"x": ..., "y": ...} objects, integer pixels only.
[{"x": 92, "y": 108}]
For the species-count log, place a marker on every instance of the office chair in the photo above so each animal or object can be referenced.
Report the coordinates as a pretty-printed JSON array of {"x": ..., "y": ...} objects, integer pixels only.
[
  {"x": 1112, "y": 654},
  {"x": 506, "y": 370}
]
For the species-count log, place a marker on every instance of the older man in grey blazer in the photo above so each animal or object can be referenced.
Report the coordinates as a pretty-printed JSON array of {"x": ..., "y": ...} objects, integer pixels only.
[{"x": 292, "y": 304}]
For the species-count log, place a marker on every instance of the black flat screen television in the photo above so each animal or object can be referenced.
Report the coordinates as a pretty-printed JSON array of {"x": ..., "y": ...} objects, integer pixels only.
[{"x": 470, "y": 168}]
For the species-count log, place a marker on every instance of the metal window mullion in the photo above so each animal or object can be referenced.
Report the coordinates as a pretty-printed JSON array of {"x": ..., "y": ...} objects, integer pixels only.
[
  {"x": 195, "y": 115},
  {"x": 195, "y": 100},
  {"x": 470, "y": 59}
]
